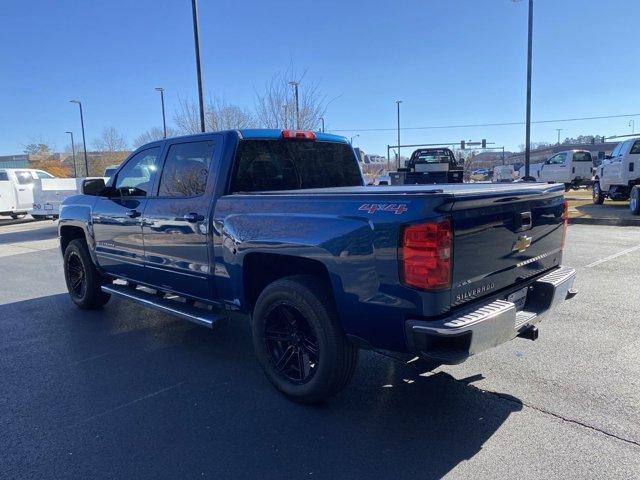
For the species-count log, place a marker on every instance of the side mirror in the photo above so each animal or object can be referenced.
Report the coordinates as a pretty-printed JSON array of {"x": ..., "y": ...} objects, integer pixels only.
[{"x": 93, "y": 186}]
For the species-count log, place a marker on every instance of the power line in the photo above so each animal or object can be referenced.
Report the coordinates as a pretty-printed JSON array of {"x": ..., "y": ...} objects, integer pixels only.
[{"x": 471, "y": 125}]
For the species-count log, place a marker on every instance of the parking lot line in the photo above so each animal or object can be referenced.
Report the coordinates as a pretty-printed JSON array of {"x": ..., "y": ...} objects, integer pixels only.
[{"x": 611, "y": 257}]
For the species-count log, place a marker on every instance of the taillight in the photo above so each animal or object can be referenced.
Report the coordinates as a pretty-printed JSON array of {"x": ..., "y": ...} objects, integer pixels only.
[
  {"x": 565, "y": 223},
  {"x": 426, "y": 255},
  {"x": 303, "y": 134}
]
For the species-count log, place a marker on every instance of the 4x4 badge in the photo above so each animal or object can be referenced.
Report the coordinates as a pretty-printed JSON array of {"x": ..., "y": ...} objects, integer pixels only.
[{"x": 522, "y": 243}]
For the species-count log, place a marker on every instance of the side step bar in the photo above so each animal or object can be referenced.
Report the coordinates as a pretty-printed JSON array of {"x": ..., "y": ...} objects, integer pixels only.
[{"x": 185, "y": 311}]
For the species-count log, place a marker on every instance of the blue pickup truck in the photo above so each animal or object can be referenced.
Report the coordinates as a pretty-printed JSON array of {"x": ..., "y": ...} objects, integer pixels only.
[{"x": 278, "y": 225}]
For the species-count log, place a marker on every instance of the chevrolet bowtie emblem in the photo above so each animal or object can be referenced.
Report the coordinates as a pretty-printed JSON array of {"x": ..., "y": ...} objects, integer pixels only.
[{"x": 522, "y": 243}]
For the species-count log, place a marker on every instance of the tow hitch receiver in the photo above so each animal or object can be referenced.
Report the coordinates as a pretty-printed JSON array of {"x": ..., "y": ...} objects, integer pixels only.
[{"x": 530, "y": 333}]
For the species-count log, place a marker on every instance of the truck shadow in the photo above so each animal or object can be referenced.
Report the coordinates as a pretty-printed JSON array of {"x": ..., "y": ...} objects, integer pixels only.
[
  {"x": 47, "y": 230},
  {"x": 133, "y": 393}
]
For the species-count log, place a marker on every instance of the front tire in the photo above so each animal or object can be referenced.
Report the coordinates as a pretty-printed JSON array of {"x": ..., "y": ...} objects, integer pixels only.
[
  {"x": 634, "y": 200},
  {"x": 598, "y": 195},
  {"x": 82, "y": 278},
  {"x": 299, "y": 341}
]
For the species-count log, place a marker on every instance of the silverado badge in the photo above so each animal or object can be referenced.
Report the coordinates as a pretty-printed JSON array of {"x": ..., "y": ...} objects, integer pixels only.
[{"x": 521, "y": 244}]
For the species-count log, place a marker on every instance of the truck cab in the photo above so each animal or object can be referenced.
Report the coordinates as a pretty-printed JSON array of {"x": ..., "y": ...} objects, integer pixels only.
[
  {"x": 619, "y": 173},
  {"x": 574, "y": 168},
  {"x": 427, "y": 166}
]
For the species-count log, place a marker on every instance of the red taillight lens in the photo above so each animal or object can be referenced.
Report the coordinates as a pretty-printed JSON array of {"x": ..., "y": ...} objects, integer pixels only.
[
  {"x": 308, "y": 135},
  {"x": 426, "y": 255},
  {"x": 565, "y": 223}
]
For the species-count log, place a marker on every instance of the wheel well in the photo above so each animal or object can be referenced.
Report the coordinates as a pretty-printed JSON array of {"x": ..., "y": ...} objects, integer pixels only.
[
  {"x": 261, "y": 269},
  {"x": 70, "y": 233}
]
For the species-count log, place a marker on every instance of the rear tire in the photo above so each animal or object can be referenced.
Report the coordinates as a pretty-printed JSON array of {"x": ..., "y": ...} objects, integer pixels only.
[
  {"x": 634, "y": 200},
  {"x": 598, "y": 196},
  {"x": 82, "y": 278},
  {"x": 299, "y": 341},
  {"x": 16, "y": 216}
]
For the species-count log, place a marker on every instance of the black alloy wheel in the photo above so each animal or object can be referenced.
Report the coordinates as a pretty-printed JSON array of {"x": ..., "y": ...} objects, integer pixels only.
[
  {"x": 76, "y": 275},
  {"x": 292, "y": 343}
]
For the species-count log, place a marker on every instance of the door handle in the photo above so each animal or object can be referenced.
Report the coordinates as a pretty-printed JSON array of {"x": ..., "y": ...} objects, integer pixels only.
[
  {"x": 193, "y": 217},
  {"x": 133, "y": 213}
]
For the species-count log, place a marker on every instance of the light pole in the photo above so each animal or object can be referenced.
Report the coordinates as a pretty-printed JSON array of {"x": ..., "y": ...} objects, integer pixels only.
[
  {"x": 558, "y": 130},
  {"x": 295, "y": 92},
  {"x": 322, "y": 121},
  {"x": 73, "y": 153},
  {"x": 164, "y": 121},
  {"x": 84, "y": 141},
  {"x": 632, "y": 124},
  {"x": 196, "y": 39},
  {"x": 398, "y": 102},
  {"x": 353, "y": 138},
  {"x": 527, "y": 141}
]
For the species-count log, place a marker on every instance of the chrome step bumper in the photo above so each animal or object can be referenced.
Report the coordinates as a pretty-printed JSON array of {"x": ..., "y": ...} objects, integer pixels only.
[
  {"x": 453, "y": 339},
  {"x": 203, "y": 317}
]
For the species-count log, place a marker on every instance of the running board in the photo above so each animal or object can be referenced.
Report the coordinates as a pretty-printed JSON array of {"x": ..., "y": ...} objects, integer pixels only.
[{"x": 183, "y": 310}]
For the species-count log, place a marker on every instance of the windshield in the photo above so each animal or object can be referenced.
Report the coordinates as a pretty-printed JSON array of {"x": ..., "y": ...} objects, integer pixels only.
[{"x": 263, "y": 165}]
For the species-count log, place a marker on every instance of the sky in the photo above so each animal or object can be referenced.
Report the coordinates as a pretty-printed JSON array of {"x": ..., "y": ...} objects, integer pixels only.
[{"x": 451, "y": 62}]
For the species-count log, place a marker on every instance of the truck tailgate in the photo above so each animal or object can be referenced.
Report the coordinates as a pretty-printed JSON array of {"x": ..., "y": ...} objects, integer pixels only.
[{"x": 504, "y": 237}]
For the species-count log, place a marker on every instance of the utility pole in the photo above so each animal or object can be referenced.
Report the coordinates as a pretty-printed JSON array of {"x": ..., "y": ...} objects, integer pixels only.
[
  {"x": 527, "y": 154},
  {"x": 398, "y": 102},
  {"x": 322, "y": 120},
  {"x": 196, "y": 38},
  {"x": 73, "y": 152},
  {"x": 164, "y": 121},
  {"x": 558, "y": 130},
  {"x": 295, "y": 92},
  {"x": 84, "y": 141}
]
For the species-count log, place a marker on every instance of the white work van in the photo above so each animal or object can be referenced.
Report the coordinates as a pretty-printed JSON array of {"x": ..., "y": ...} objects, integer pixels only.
[
  {"x": 574, "y": 168},
  {"x": 16, "y": 190},
  {"x": 503, "y": 174},
  {"x": 619, "y": 174}
]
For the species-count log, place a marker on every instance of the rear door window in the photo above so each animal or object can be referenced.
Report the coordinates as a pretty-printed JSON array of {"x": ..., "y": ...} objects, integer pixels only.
[
  {"x": 186, "y": 169},
  {"x": 582, "y": 157},
  {"x": 4, "y": 177},
  {"x": 263, "y": 165}
]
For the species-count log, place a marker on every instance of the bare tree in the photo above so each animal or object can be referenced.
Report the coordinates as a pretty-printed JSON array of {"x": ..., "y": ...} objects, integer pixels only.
[
  {"x": 110, "y": 141},
  {"x": 276, "y": 108},
  {"x": 153, "y": 134},
  {"x": 218, "y": 115}
]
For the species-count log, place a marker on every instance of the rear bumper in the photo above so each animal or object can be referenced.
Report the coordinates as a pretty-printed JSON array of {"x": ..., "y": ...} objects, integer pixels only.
[{"x": 452, "y": 340}]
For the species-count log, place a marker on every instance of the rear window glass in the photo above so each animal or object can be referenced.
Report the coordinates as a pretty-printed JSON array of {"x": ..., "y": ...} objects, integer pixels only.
[
  {"x": 263, "y": 165},
  {"x": 636, "y": 148},
  {"x": 186, "y": 169},
  {"x": 582, "y": 157}
]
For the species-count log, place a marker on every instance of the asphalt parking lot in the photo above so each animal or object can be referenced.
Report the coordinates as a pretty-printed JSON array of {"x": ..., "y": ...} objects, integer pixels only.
[{"x": 133, "y": 393}]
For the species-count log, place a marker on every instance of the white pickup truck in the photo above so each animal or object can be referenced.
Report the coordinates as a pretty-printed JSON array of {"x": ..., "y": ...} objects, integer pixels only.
[
  {"x": 574, "y": 168},
  {"x": 49, "y": 193},
  {"x": 618, "y": 178},
  {"x": 16, "y": 190}
]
